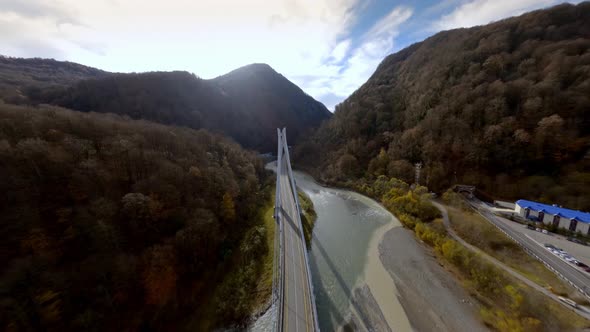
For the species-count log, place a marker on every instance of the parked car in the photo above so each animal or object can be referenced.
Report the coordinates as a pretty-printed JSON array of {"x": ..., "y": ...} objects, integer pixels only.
[
  {"x": 578, "y": 241},
  {"x": 544, "y": 231},
  {"x": 529, "y": 226},
  {"x": 582, "y": 265},
  {"x": 570, "y": 259},
  {"x": 568, "y": 301}
]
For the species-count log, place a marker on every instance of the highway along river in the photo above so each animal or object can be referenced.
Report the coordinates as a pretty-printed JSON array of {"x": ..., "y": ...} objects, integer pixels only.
[{"x": 351, "y": 285}]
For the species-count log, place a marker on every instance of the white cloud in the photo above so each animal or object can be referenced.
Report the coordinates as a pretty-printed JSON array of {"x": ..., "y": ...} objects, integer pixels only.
[
  {"x": 479, "y": 12},
  {"x": 377, "y": 43},
  {"x": 340, "y": 51},
  {"x": 38, "y": 8},
  {"x": 387, "y": 25},
  {"x": 308, "y": 41},
  {"x": 207, "y": 37}
]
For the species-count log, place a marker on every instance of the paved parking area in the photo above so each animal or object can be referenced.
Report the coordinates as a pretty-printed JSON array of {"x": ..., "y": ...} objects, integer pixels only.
[{"x": 578, "y": 251}]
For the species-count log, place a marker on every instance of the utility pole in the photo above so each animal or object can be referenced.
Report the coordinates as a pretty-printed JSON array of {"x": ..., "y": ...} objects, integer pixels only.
[{"x": 418, "y": 168}]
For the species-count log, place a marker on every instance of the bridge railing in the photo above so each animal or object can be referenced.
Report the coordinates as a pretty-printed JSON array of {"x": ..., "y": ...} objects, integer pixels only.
[
  {"x": 294, "y": 191},
  {"x": 279, "y": 258},
  {"x": 277, "y": 281}
]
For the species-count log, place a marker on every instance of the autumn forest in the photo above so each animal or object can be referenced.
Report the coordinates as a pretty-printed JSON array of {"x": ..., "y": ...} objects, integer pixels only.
[{"x": 137, "y": 202}]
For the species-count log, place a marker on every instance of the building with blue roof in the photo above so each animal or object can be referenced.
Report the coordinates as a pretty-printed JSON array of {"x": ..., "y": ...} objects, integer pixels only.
[{"x": 575, "y": 221}]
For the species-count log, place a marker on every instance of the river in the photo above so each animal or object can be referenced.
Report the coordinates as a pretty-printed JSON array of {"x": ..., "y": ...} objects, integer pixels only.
[{"x": 344, "y": 259}]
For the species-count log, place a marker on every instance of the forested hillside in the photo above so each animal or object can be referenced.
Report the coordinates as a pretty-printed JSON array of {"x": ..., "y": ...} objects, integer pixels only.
[
  {"x": 123, "y": 213},
  {"x": 17, "y": 75},
  {"x": 247, "y": 104},
  {"x": 504, "y": 106},
  {"x": 111, "y": 224}
]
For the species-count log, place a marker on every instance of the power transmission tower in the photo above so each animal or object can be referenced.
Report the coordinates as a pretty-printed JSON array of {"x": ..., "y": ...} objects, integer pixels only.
[{"x": 418, "y": 168}]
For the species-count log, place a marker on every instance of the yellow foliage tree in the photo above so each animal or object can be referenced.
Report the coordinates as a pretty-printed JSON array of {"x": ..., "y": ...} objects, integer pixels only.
[
  {"x": 228, "y": 209},
  {"x": 49, "y": 303},
  {"x": 159, "y": 275}
]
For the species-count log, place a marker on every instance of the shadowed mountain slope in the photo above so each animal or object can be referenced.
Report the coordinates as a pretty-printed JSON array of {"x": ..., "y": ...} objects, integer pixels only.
[
  {"x": 246, "y": 104},
  {"x": 18, "y": 75}
]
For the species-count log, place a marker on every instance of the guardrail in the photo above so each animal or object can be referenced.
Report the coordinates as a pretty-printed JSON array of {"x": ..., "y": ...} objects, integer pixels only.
[
  {"x": 528, "y": 251},
  {"x": 277, "y": 281},
  {"x": 294, "y": 190}
]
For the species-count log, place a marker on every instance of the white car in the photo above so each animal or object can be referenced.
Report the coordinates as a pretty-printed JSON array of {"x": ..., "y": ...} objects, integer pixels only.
[{"x": 544, "y": 231}]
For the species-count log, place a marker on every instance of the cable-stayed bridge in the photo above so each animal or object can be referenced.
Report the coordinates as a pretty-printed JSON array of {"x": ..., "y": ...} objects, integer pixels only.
[{"x": 292, "y": 288}]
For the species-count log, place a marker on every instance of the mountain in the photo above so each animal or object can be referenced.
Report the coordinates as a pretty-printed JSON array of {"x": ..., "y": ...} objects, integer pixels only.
[
  {"x": 113, "y": 224},
  {"x": 272, "y": 99},
  {"x": 505, "y": 106},
  {"x": 18, "y": 74},
  {"x": 143, "y": 219},
  {"x": 247, "y": 104}
]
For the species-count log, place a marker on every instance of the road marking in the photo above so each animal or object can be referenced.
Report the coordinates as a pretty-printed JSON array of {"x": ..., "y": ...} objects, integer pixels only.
[
  {"x": 547, "y": 257},
  {"x": 535, "y": 241},
  {"x": 305, "y": 304},
  {"x": 291, "y": 220},
  {"x": 293, "y": 266},
  {"x": 286, "y": 285},
  {"x": 557, "y": 256},
  {"x": 299, "y": 242}
]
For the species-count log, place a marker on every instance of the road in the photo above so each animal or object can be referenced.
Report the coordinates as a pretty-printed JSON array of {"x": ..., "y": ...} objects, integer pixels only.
[
  {"x": 577, "y": 278},
  {"x": 298, "y": 309},
  {"x": 497, "y": 263}
]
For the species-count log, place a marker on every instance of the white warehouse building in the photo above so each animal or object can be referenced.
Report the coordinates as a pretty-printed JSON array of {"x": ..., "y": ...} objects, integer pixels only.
[{"x": 575, "y": 221}]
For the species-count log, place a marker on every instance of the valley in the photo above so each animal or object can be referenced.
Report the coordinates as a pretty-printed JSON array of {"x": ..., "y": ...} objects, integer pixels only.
[{"x": 434, "y": 174}]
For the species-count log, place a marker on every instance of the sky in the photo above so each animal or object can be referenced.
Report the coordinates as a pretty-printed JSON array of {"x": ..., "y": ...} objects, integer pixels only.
[{"x": 329, "y": 48}]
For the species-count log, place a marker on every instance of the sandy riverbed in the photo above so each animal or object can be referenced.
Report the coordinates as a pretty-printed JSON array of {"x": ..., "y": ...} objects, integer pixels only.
[
  {"x": 432, "y": 298},
  {"x": 381, "y": 284}
]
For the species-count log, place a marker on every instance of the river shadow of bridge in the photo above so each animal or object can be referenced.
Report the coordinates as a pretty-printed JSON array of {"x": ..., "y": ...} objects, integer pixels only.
[{"x": 358, "y": 309}]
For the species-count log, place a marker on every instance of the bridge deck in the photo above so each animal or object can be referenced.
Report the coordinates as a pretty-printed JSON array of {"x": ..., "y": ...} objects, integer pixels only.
[{"x": 298, "y": 309}]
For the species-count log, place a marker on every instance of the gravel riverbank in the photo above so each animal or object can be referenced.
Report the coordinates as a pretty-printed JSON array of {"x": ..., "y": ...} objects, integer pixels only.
[{"x": 432, "y": 299}]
